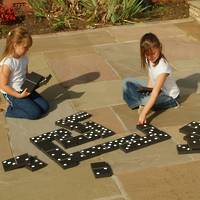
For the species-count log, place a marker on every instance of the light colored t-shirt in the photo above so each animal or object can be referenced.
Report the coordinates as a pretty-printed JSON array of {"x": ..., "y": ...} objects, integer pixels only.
[
  {"x": 18, "y": 71},
  {"x": 170, "y": 87}
]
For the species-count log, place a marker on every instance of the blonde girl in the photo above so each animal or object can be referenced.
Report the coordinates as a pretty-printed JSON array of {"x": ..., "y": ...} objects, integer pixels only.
[
  {"x": 13, "y": 70},
  {"x": 165, "y": 92}
]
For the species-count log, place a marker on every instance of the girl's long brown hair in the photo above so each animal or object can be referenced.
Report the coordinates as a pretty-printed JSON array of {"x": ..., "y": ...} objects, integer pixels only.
[
  {"x": 147, "y": 42},
  {"x": 18, "y": 35}
]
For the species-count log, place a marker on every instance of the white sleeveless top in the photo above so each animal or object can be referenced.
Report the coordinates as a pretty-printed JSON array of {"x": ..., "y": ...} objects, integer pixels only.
[
  {"x": 170, "y": 87},
  {"x": 18, "y": 71}
]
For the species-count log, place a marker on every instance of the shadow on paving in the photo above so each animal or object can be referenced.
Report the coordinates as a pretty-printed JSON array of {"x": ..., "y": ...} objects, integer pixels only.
[
  {"x": 64, "y": 93},
  {"x": 190, "y": 83}
]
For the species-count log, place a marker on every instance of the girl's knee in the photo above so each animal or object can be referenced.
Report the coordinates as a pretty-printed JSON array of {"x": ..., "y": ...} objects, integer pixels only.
[
  {"x": 45, "y": 107},
  {"x": 126, "y": 83},
  {"x": 35, "y": 114}
]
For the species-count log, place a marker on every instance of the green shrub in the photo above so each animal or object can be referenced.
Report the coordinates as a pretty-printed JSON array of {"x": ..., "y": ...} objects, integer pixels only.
[{"x": 63, "y": 14}]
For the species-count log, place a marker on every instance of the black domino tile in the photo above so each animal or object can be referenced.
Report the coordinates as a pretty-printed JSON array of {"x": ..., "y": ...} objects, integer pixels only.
[
  {"x": 194, "y": 124},
  {"x": 143, "y": 127},
  {"x": 147, "y": 128},
  {"x": 115, "y": 144},
  {"x": 91, "y": 135},
  {"x": 46, "y": 145},
  {"x": 79, "y": 116},
  {"x": 51, "y": 135},
  {"x": 127, "y": 138},
  {"x": 74, "y": 141},
  {"x": 90, "y": 152},
  {"x": 193, "y": 141},
  {"x": 191, "y": 136},
  {"x": 65, "y": 124},
  {"x": 76, "y": 156},
  {"x": 136, "y": 144},
  {"x": 71, "y": 121},
  {"x": 57, "y": 154},
  {"x": 109, "y": 146},
  {"x": 63, "y": 136},
  {"x": 160, "y": 136},
  {"x": 65, "y": 164},
  {"x": 81, "y": 128},
  {"x": 76, "y": 126},
  {"x": 185, "y": 149},
  {"x": 101, "y": 169},
  {"x": 34, "y": 164},
  {"x": 99, "y": 129},
  {"x": 62, "y": 133},
  {"x": 191, "y": 128},
  {"x": 16, "y": 162},
  {"x": 150, "y": 130},
  {"x": 107, "y": 133},
  {"x": 143, "y": 142}
]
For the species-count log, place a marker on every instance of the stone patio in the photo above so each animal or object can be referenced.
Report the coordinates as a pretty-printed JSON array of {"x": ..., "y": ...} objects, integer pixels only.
[{"x": 88, "y": 68}]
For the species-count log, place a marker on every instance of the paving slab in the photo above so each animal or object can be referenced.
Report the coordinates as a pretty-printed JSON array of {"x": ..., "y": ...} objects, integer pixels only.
[
  {"x": 37, "y": 61},
  {"x": 161, "y": 154},
  {"x": 73, "y": 67},
  {"x": 5, "y": 150},
  {"x": 190, "y": 28},
  {"x": 130, "y": 33},
  {"x": 111, "y": 198},
  {"x": 98, "y": 94},
  {"x": 100, "y": 37},
  {"x": 124, "y": 58},
  {"x": 53, "y": 183},
  {"x": 180, "y": 48},
  {"x": 163, "y": 118},
  {"x": 108, "y": 118},
  {"x": 56, "y": 42},
  {"x": 171, "y": 182}
]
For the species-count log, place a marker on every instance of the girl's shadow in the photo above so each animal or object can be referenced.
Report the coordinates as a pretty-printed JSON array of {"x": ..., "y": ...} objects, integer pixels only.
[
  {"x": 187, "y": 85},
  {"x": 59, "y": 92}
]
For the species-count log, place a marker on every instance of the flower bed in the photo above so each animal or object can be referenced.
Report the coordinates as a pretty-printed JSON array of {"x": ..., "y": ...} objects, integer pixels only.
[{"x": 76, "y": 16}]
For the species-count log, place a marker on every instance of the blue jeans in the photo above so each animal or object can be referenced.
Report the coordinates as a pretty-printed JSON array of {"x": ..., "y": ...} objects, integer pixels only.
[
  {"x": 31, "y": 107},
  {"x": 134, "y": 98}
]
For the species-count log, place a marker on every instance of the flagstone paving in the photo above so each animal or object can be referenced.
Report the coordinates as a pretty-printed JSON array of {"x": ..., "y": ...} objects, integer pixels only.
[{"x": 87, "y": 69}]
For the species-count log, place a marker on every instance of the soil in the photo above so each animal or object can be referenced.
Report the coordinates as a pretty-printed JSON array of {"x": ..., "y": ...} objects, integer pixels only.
[{"x": 164, "y": 11}]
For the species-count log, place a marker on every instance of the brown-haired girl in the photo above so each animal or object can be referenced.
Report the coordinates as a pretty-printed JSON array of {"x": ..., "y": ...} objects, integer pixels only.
[
  {"x": 13, "y": 70},
  {"x": 165, "y": 92}
]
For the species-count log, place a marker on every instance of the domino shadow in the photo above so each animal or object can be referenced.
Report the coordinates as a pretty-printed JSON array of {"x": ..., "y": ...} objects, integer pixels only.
[
  {"x": 60, "y": 92},
  {"x": 188, "y": 86}
]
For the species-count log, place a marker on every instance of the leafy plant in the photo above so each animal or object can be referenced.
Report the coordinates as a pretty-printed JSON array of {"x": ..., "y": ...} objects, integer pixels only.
[
  {"x": 120, "y": 10},
  {"x": 55, "y": 11},
  {"x": 39, "y": 7},
  {"x": 94, "y": 10},
  {"x": 63, "y": 14}
]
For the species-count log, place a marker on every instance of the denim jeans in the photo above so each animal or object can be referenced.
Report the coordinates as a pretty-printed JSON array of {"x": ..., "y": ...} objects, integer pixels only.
[
  {"x": 134, "y": 98},
  {"x": 31, "y": 107}
]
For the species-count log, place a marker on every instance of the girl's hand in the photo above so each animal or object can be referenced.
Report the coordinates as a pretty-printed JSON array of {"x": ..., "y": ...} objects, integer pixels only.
[
  {"x": 142, "y": 118},
  {"x": 24, "y": 94}
]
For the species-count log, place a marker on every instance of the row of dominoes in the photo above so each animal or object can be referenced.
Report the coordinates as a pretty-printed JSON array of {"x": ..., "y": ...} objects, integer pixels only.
[
  {"x": 127, "y": 144},
  {"x": 192, "y": 137},
  {"x": 91, "y": 131},
  {"x": 88, "y": 128},
  {"x": 45, "y": 142},
  {"x": 25, "y": 160}
]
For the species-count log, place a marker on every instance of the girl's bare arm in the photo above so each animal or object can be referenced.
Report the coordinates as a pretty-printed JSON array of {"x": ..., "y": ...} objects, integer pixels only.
[
  {"x": 4, "y": 78},
  {"x": 149, "y": 83}
]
